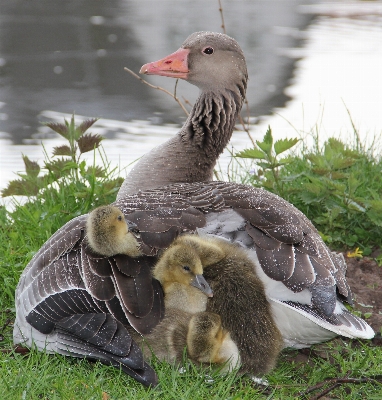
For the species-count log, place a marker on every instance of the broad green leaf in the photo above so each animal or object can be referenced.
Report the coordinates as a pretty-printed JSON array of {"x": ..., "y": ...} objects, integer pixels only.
[
  {"x": 321, "y": 171},
  {"x": 96, "y": 171},
  {"x": 312, "y": 188},
  {"x": 265, "y": 165},
  {"x": 251, "y": 153},
  {"x": 335, "y": 145},
  {"x": 285, "y": 160},
  {"x": 308, "y": 197},
  {"x": 293, "y": 177},
  {"x": 376, "y": 205},
  {"x": 20, "y": 188},
  {"x": 266, "y": 144},
  {"x": 353, "y": 184},
  {"x": 342, "y": 163},
  {"x": 317, "y": 160},
  {"x": 284, "y": 144}
]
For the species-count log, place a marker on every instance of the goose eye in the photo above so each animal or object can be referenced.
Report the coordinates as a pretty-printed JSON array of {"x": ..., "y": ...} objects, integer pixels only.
[
  {"x": 119, "y": 218},
  {"x": 186, "y": 268},
  {"x": 208, "y": 50}
]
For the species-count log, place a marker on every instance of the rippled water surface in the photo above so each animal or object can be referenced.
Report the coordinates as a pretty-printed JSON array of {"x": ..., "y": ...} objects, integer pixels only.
[{"x": 310, "y": 63}]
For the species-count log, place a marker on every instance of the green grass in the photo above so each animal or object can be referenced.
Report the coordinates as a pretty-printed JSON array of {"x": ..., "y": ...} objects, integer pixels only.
[
  {"x": 62, "y": 196},
  {"x": 41, "y": 376}
]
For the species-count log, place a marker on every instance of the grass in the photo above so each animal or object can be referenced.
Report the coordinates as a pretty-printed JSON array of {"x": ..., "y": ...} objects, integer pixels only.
[{"x": 67, "y": 187}]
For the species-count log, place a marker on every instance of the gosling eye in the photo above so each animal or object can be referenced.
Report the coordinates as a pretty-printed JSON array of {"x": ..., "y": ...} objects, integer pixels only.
[
  {"x": 119, "y": 217},
  {"x": 208, "y": 50},
  {"x": 186, "y": 268}
]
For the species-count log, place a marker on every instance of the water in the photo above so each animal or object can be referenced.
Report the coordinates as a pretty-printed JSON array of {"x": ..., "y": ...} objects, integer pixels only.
[{"x": 60, "y": 57}]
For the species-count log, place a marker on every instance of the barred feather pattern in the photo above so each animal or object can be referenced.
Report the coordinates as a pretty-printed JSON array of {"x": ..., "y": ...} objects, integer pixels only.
[{"x": 65, "y": 286}]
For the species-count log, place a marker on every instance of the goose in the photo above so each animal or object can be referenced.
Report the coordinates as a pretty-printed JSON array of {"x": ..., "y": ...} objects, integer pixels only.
[
  {"x": 254, "y": 340},
  {"x": 66, "y": 286},
  {"x": 108, "y": 233},
  {"x": 304, "y": 281},
  {"x": 186, "y": 324},
  {"x": 237, "y": 289},
  {"x": 180, "y": 273},
  {"x": 216, "y": 64}
]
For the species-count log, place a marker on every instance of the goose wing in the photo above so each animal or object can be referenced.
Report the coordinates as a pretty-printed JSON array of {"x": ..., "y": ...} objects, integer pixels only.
[
  {"x": 297, "y": 268},
  {"x": 73, "y": 302},
  {"x": 288, "y": 247}
]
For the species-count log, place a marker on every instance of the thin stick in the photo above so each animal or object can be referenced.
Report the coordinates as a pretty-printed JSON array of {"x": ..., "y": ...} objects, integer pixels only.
[
  {"x": 222, "y": 16},
  {"x": 337, "y": 382},
  {"x": 325, "y": 392},
  {"x": 16, "y": 349},
  {"x": 176, "y": 86},
  {"x": 158, "y": 88},
  {"x": 246, "y": 129},
  {"x": 186, "y": 101}
]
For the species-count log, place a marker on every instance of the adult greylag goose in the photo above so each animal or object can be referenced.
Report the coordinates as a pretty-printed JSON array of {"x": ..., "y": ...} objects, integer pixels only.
[
  {"x": 304, "y": 281},
  {"x": 74, "y": 301},
  {"x": 215, "y": 63}
]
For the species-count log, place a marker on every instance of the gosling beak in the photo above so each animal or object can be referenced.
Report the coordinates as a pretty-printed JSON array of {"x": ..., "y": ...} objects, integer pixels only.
[
  {"x": 200, "y": 283},
  {"x": 132, "y": 226}
]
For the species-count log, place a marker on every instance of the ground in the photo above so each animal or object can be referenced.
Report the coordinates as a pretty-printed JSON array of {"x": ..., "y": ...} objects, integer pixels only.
[{"x": 365, "y": 280}]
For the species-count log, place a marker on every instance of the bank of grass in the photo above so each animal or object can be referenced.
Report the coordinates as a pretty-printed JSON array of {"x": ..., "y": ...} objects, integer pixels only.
[{"x": 67, "y": 187}]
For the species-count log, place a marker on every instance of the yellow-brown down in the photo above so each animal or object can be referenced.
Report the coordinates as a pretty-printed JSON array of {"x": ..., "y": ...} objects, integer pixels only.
[
  {"x": 240, "y": 301},
  {"x": 186, "y": 323},
  {"x": 108, "y": 233}
]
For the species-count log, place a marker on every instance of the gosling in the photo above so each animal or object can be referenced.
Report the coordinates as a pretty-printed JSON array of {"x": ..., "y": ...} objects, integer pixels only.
[
  {"x": 186, "y": 324},
  {"x": 239, "y": 299},
  {"x": 109, "y": 233}
]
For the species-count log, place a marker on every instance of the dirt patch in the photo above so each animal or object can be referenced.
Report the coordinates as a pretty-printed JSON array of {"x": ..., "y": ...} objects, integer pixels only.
[{"x": 365, "y": 280}]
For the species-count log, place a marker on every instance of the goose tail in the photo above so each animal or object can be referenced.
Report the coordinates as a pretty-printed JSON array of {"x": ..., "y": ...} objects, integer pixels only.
[{"x": 303, "y": 325}]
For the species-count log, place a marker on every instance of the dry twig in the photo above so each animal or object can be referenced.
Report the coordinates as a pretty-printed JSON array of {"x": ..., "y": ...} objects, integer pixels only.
[
  {"x": 16, "y": 349},
  {"x": 158, "y": 88},
  {"x": 221, "y": 16},
  {"x": 246, "y": 129},
  {"x": 335, "y": 382}
]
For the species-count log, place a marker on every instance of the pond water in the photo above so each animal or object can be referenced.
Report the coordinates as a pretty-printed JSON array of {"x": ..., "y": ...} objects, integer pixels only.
[{"x": 305, "y": 64}]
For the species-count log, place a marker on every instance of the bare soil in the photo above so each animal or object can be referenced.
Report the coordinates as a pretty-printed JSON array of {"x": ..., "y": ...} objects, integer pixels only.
[{"x": 365, "y": 280}]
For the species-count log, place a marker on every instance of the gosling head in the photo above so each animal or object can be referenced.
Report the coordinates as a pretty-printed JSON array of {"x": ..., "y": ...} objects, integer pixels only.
[
  {"x": 109, "y": 233},
  {"x": 181, "y": 264}
]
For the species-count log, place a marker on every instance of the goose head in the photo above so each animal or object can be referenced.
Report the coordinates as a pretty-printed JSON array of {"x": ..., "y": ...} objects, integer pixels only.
[
  {"x": 109, "y": 233},
  {"x": 181, "y": 264},
  {"x": 208, "y": 60}
]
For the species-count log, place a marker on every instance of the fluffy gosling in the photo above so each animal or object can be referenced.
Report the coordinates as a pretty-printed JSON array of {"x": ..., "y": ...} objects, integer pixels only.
[
  {"x": 186, "y": 324},
  {"x": 239, "y": 299},
  {"x": 109, "y": 233}
]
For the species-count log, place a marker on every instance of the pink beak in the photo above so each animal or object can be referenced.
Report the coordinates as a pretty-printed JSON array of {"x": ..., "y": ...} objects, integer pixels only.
[{"x": 175, "y": 65}]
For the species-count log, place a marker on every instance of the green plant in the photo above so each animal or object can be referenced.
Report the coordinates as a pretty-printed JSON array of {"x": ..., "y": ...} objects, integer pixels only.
[
  {"x": 267, "y": 155},
  {"x": 66, "y": 174},
  {"x": 337, "y": 187}
]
